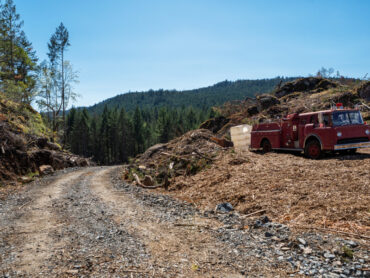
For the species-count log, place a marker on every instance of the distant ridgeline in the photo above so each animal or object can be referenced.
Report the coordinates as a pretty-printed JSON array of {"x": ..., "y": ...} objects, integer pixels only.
[
  {"x": 123, "y": 126},
  {"x": 202, "y": 98}
]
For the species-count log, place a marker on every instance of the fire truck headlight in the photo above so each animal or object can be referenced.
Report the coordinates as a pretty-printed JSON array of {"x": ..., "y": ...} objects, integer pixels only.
[
  {"x": 339, "y": 134},
  {"x": 367, "y": 132}
]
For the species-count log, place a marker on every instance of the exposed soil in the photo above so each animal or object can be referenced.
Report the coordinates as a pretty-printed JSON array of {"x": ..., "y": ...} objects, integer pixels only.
[
  {"x": 330, "y": 193},
  {"x": 299, "y": 96},
  {"x": 88, "y": 223},
  {"x": 23, "y": 155},
  {"x": 25, "y": 149},
  {"x": 80, "y": 223},
  {"x": 333, "y": 192}
]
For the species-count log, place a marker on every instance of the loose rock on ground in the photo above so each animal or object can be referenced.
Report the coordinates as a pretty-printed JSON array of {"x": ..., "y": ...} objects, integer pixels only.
[{"x": 87, "y": 222}]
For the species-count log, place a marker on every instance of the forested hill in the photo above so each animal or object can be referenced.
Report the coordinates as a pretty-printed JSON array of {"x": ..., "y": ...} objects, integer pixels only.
[
  {"x": 126, "y": 125},
  {"x": 202, "y": 98}
]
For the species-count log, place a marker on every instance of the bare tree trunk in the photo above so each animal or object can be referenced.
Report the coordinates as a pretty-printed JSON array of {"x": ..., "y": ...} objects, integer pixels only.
[
  {"x": 63, "y": 107},
  {"x": 54, "y": 125},
  {"x": 48, "y": 102},
  {"x": 11, "y": 50}
]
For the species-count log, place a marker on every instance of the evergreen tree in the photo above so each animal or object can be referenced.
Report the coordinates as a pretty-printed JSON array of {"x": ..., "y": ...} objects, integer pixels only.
[
  {"x": 71, "y": 119},
  {"x": 124, "y": 134},
  {"x": 55, "y": 81},
  {"x": 164, "y": 125},
  {"x": 113, "y": 136},
  {"x": 80, "y": 134},
  {"x": 191, "y": 119},
  {"x": 27, "y": 69},
  {"x": 104, "y": 137},
  {"x": 212, "y": 113},
  {"x": 59, "y": 43},
  {"x": 95, "y": 140},
  {"x": 138, "y": 131},
  {"x": 18, "y": 61},
  {"x": 180, "y": 126},
  {"x": 130, "y": 138},
  {"x": 11, "y": 25}
]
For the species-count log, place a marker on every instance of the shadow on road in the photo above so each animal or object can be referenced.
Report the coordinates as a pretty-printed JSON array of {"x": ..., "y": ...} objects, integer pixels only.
[
  {"x": 357, "y": 156},
  {"x": 328, "y": 156}
]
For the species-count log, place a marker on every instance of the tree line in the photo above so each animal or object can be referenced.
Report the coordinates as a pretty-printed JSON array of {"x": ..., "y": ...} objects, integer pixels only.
[
  {"x": 202, "y": 98},
  {"x": 116, "y": 135},
  {"x": 118, "y": 128}
]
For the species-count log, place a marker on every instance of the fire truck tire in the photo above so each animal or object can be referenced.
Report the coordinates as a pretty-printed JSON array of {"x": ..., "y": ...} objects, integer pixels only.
[
  {"x": 266, "y": 146},
  {"x": 313, "y": 149}
]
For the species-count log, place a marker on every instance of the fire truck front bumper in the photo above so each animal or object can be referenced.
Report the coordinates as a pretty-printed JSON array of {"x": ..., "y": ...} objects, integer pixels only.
[{"x": 352, "y": 146}]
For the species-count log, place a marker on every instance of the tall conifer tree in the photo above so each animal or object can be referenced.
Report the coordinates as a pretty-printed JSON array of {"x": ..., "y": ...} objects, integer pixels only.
[
  {"x": 59, "y": 43},
  {"x": 18, "y": 60}
]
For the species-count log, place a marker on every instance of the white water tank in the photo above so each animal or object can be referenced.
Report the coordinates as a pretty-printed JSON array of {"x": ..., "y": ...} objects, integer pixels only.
[{"x": 241, "y": 137}]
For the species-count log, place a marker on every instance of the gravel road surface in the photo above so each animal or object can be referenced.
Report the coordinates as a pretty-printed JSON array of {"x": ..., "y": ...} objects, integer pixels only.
[{"x": 88, "y": 223}]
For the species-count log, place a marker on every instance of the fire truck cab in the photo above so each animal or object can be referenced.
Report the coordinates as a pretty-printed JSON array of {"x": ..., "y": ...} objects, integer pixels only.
[{"x": 313, "y": 133}]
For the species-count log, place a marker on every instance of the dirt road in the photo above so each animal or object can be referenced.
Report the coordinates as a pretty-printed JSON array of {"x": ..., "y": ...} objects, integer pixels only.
[{"x": 87, "y": 223}]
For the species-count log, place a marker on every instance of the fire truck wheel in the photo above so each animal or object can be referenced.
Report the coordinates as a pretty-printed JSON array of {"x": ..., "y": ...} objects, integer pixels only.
[
  {"x": 313, "y": 149},
  {"x": 266, "y": 146}
]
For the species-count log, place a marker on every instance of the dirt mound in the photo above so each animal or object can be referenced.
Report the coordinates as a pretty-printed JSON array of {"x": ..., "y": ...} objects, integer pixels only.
[
  {"x": 309, "y": 84},
  {"x": 299, "y": 96},
  {"x": 22, "y": 155},
  {"x": 289, "y": 188},
  {"x": 266, "y": 101},
  {"x": 24, "y": 146},
  {"x": 22, "y": 118},
  {"x": 183, "y": 156},
  {"x": 214, "y": 124},
  {"x": 364, "y": 91}
]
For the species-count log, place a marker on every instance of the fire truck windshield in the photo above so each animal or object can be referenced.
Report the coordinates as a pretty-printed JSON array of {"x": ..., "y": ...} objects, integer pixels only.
[{"x": 347, "y": 118}]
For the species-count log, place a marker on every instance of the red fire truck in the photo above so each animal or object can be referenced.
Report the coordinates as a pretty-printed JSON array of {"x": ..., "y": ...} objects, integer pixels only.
[{"x": 313, "y": 133}]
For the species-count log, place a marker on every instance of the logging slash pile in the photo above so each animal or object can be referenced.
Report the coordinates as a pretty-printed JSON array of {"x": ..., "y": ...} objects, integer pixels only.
[
  {"x": 183, "y": 156},
  {"x": 201, "y": 167}
]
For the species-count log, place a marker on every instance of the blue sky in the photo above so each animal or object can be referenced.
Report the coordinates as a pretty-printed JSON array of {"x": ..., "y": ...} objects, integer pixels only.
[{"x": 128, "y": 45}]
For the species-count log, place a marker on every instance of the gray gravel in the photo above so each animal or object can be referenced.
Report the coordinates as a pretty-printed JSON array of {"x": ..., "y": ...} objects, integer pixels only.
[
  {"x": 89, "y": 241},
  {"x": 309, "y": 254}
]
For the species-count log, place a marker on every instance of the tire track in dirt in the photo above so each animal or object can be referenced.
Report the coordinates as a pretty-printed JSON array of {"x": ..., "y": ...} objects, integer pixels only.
[
  {"x": 93, "y": 244},
  {"x": 33, "y": 245},
  {"x": 175, "y": 250},
  {"x": 88, "y": 223}
]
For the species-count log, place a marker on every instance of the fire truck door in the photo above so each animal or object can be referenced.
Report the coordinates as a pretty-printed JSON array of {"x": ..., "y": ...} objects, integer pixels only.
[
  {"x": 295, "y": 123},
  {"x": 286, "y": 133}
]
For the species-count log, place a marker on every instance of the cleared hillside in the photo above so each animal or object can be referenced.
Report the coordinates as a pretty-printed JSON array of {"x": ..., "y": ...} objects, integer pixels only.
[
  {"x": 25, "y": 149},
  {"x": 331, "y": 193}
]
